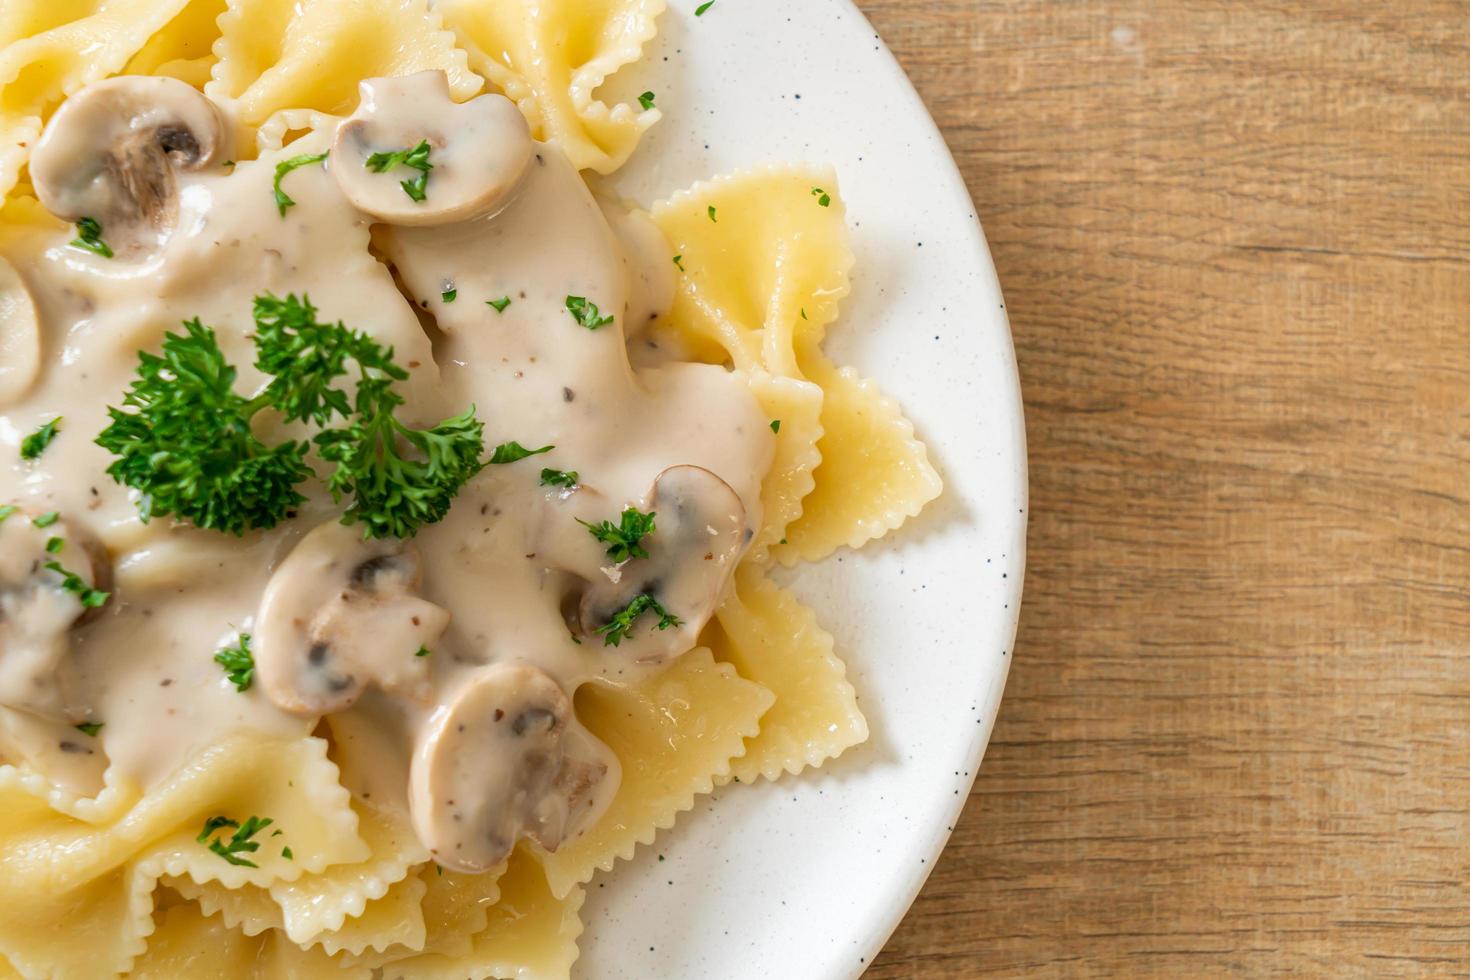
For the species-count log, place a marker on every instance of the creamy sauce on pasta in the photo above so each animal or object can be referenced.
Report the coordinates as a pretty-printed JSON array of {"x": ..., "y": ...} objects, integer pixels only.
[{"x": 521, "y": 581}]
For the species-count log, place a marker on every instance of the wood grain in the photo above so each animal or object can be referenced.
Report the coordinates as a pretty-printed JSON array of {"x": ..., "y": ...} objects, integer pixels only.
[{"x": 1235, "y": 244}]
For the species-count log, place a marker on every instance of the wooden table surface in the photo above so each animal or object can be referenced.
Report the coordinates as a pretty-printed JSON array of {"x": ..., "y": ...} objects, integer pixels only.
[{"x": 1234, "y": 239}]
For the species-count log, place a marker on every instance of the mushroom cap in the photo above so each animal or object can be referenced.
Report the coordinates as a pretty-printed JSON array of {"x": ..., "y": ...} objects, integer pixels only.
[
  {"x": 698, "y": 539},
  {"x": 342, "y": 612},
  {"x": 477, "y": 150},
  {"x": 111, "y": 150},
  {"x": 492, "y": 767},
  {"x": 37, "y": 613},
  {"x": 20, "y": 336}
]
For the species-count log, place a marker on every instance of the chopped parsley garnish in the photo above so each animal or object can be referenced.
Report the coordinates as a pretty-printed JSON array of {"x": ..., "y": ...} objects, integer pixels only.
[
  {"x": 823, "y": 198},
  {"x": 422, "y": 651},
  {"x": 72, "y": 582},
  {"x": 54, "y": 545},
  {"x": 238, "y": 843},
  {"x": 775, "y": 425},
  {"x": 558, "y": 478},
  {"x": 448, "y": 295},
  {"x": 646, "y": 100},
  {"x": 499, "y": 304},
  {"x": 416, "y": 158},
  {"x": 587, "y": 314},
  {"x": 184, "y": 438},
  {"x": 239, "y": 663},
  {"x": 622, "y": 539},
  {"x": 6, "y": 511},
  {"x": 621, "y": 625},
  {"x": 33, "y": 445},
  {"x": 679, "y": 261},
  {"x": 284, "y": 201},
  {"x": 286, "y": 853},
  {"x": 712, "y": 213},
  {"x": 510, "y": 452},
  {"x": 47, "y": 519},
  {"x": 699, "y": 10},
  {"x": 89, "y": 238},
  {"x": 89, "y": 727},
  {"x": 803, "y": 312}
]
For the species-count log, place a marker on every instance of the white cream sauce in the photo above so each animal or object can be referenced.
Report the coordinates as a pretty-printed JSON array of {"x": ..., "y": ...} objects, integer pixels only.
[{"x": 507, "y": 566}]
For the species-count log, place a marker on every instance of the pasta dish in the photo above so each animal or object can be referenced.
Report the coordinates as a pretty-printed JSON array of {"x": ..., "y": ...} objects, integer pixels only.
[{"x": 388, "y": 511}]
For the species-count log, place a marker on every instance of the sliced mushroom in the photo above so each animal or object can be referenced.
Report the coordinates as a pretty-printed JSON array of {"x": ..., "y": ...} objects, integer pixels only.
[
  {"x": 38, "y": 611},
  {"x": 112, "y": 151},
  {"x": 477, "y": 150},
  {"x": 20, "y": 336},
  {"x": 493, "y": 766},
  {"x": 340, "y": 613},
  {"x": 699, "y": 536}
]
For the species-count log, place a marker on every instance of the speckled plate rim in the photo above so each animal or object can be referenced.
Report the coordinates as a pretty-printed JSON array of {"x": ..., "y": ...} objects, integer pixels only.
[{"x": 851, "y": 79}]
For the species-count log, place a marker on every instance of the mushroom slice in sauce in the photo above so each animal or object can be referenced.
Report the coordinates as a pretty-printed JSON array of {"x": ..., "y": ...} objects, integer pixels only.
[
  {"x": 111, "y": 151},
  {"x": 699, "y": 536},
  {"x": 493, "y": 766},
  {"x": 340, "y": 613},
  {"x": 20, "y": 335},
  {"x": 37, "y": 612},
  {"x": 477, "y": 150}
]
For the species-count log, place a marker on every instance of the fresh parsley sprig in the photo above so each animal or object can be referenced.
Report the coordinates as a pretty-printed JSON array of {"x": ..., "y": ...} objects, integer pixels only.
[
  {"x": 587, "y": 314},
  {"x": 284, "y": 201},
  {"x": 618, "y": 628},
  {"x": 238, "y": 843},
  {"x": 622, "y": 539},
  {"x": 239, "y": 663},
  {"x": 89, "y": 238},
  {"x": 511, "y": 452},
  {"x": 416, "y": 158},
  {"x": 89, "y": 597},
  {"x": 184, "y": 439},
  {"x": 33, "y": 445}
]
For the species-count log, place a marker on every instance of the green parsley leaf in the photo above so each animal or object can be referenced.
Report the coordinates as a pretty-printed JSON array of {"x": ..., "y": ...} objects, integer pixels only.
[
  {"x": 239, "y": 663},
  {"x": 699, "y": 10},
  {"x": 422, "y": 651},
  {"x": 416, "y": 158},
  {"x": 712, "y": 213},
  {"x": 509, "y": 452},
  {"x": 622, "y": 539},
  {"x": 187, "y": 442},
  {"x": 238, "y": 843},
  {"x": 646, "y": 100},
  {"x": 823, "y": 198},
  {"x": 286, "y": 853},
  {"x": 395, "y": 495},
  {"x": 183, "y": 439},
  {"x": 54, "y": 545},
  {"x": 304, "y": 357},
  {"x": 89, "y": 238},
  {"x": 72, "y": 582},
  {"x": 47, "y": 519},
  {"x": 803, "y": 312},
  {"x": 284, "y": 201},
  {"x": 587, "y": 314},
  {"x": 89, "y": 727},
  {"x": 679, "y": 261},
  {"x": 33, "y": 445},
  {"x": 558, "y": 478},
  {"x": 448, "y": 295},
  {"x": 775, "y": 425},
  {"x": 6, "y": 511},
  {"x": 621, "y": 625},
  {"x": 499, "y": 304}
]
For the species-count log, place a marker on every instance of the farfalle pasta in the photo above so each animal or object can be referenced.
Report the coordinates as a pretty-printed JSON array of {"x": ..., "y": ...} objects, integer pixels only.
[{"x": 372, "y": 601}]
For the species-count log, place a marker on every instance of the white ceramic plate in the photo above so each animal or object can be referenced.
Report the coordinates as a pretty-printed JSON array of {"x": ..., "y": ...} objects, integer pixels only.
[{"x": 807, "y": 877}]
